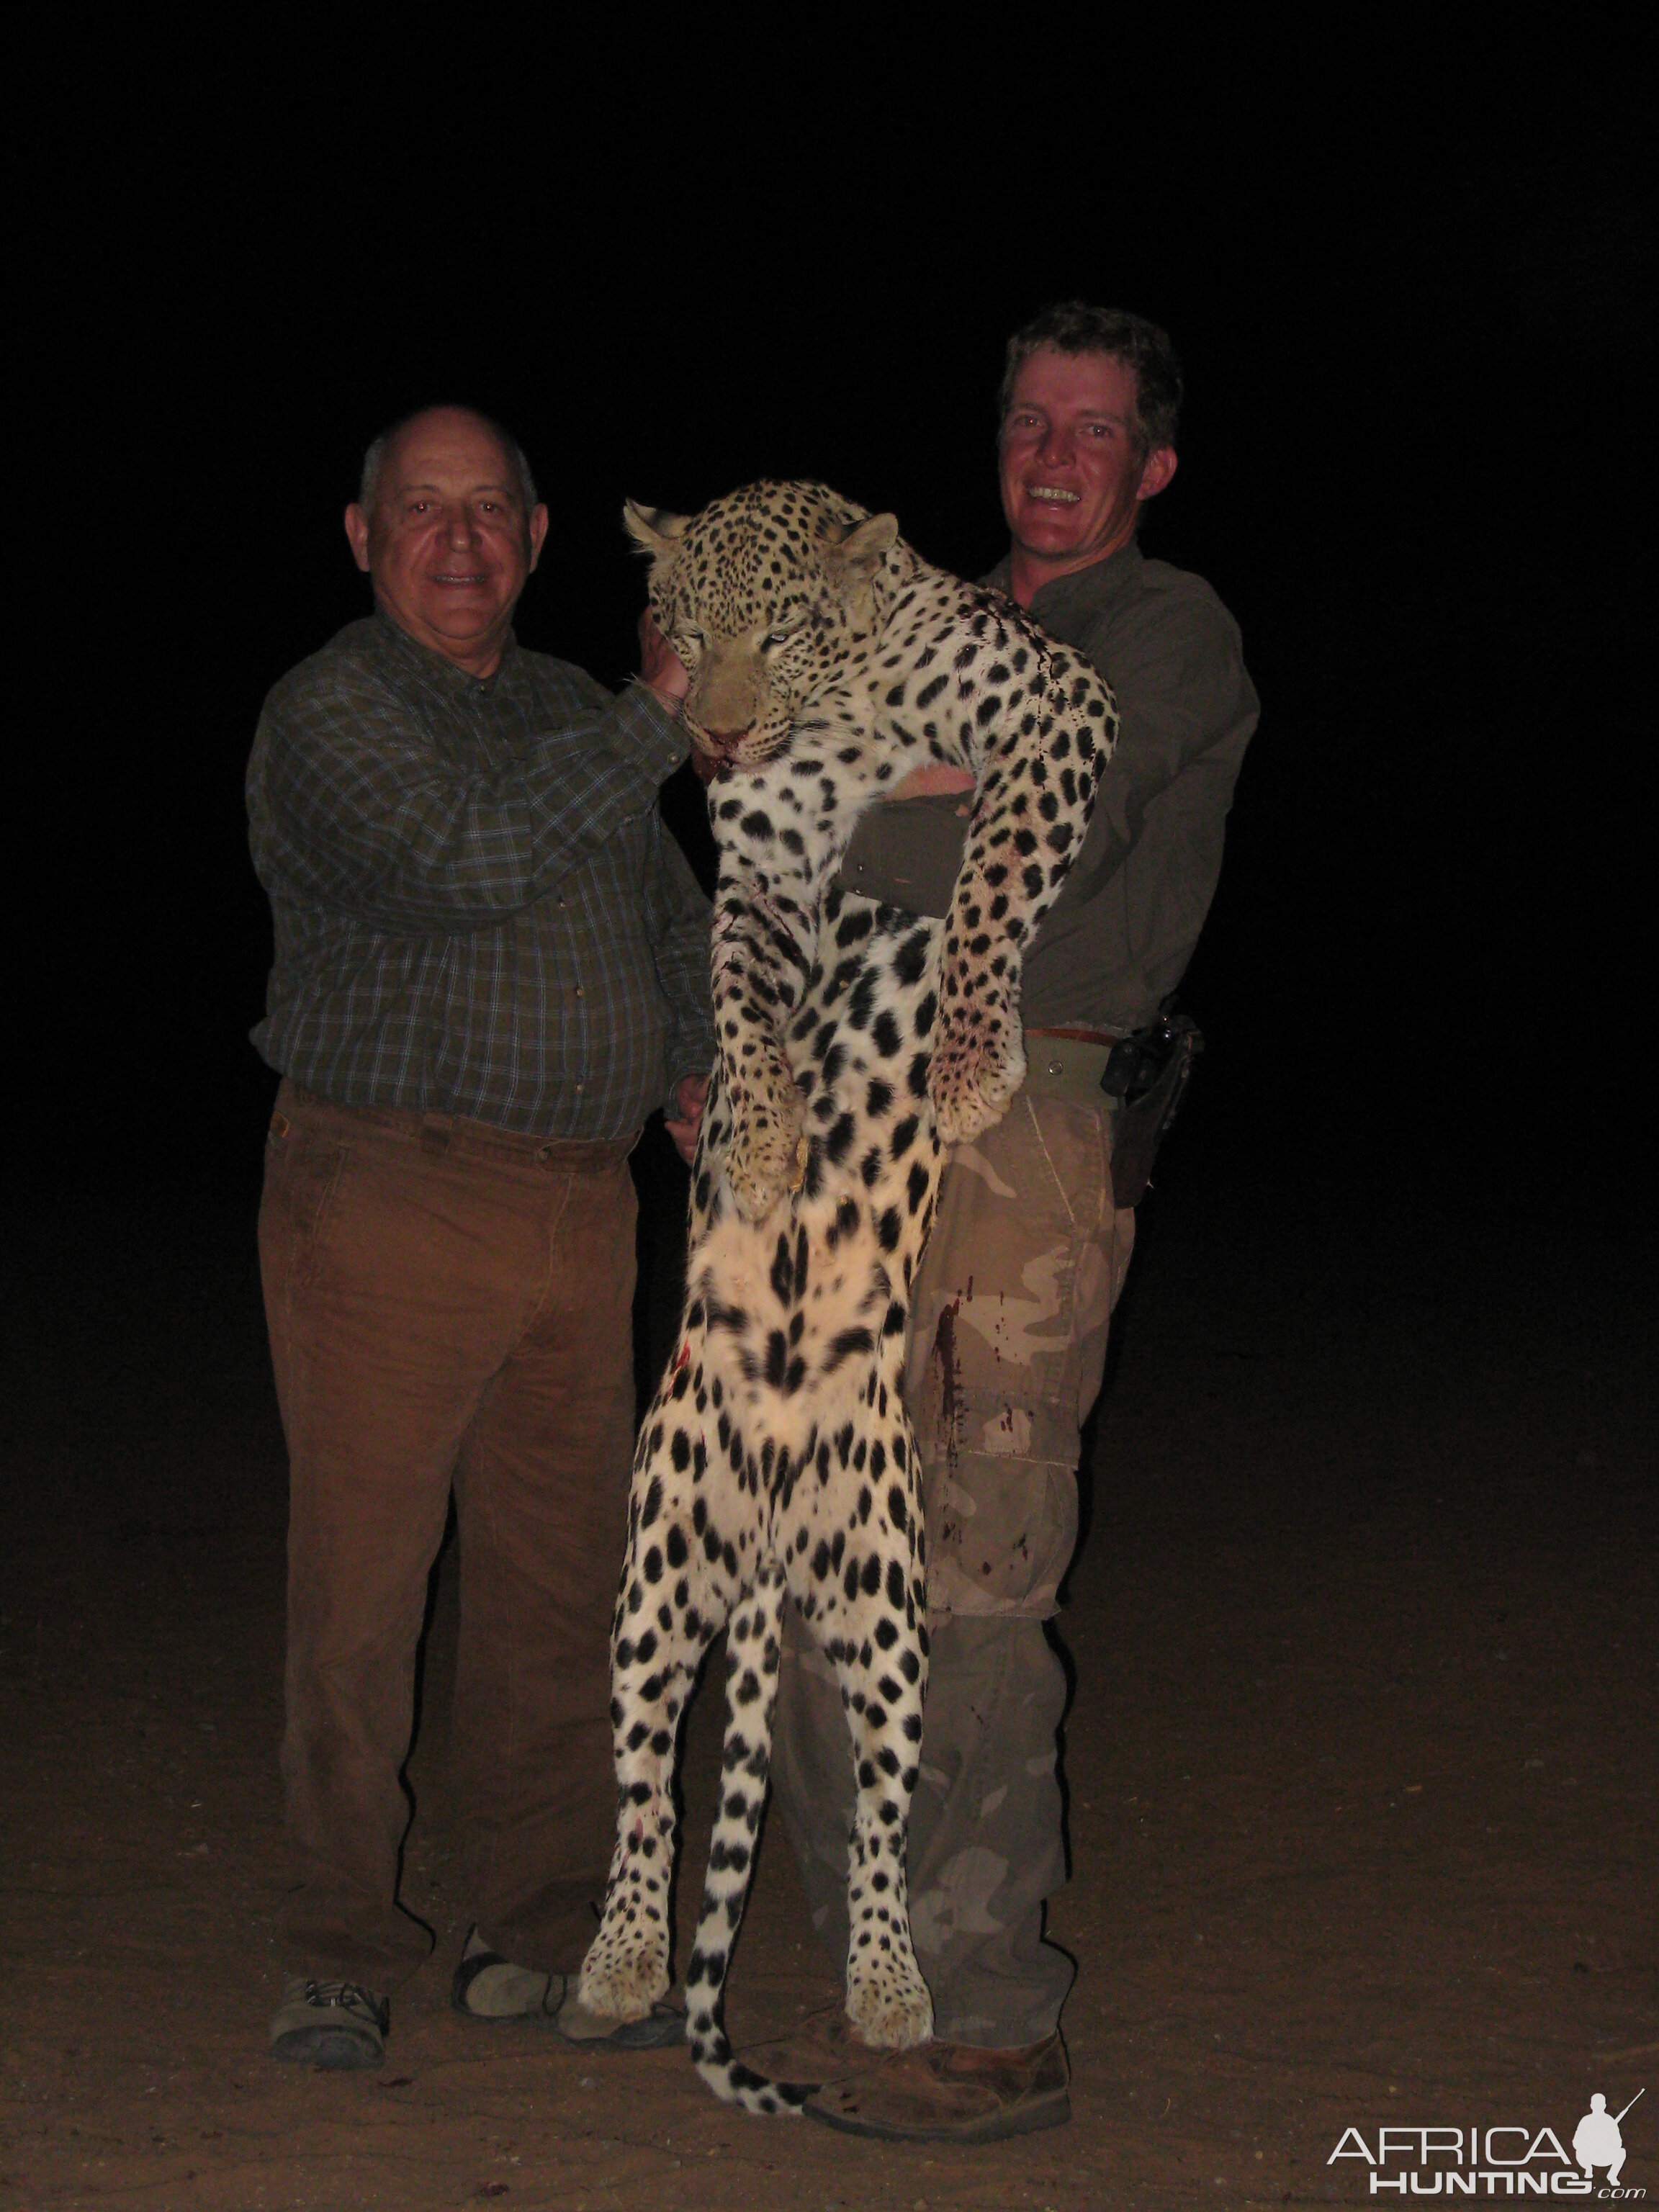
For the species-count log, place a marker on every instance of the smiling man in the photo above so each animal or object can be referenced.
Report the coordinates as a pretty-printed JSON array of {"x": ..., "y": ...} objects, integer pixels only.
[
  {"x": 491, "y": 964},
  {"x": 448, "y": 527},
  {"x": 1030, "y": 1240},
  {"x": 1076, "y": 462}
]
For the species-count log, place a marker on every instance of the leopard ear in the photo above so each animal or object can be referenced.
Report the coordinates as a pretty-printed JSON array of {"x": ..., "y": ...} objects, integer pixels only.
[
  {"x": 866, "y": 542},
  {"x": 653, "y": 529}
]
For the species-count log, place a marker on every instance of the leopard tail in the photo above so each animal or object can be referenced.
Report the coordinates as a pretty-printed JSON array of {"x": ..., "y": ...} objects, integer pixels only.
[{"x": 754, "y": 1649}]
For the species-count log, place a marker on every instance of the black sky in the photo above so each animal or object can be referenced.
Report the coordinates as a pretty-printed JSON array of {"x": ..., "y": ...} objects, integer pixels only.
[{"x": 1411, "y": 289}]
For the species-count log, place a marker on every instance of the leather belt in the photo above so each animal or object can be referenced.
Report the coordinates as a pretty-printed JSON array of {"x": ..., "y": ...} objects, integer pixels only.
[{"x": 1078, "y": 1036}]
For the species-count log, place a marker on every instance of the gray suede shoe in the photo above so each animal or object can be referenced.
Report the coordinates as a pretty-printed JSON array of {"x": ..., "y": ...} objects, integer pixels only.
[
  {"x": 338, "y": 2026},
  {"x": 490, "y": 1987},
  {"x": 486, "y": 1986}
]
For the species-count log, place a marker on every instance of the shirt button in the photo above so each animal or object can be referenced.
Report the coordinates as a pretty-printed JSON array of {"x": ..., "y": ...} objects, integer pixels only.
[{"x": 579, "y": 990}]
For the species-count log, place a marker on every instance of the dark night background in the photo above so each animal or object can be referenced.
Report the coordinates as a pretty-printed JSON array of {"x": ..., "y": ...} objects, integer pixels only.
[{"x": 1410, "y": 292}]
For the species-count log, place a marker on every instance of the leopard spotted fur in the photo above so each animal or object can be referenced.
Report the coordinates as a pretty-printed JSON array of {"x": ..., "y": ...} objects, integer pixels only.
[{"x": 856, "y": 1040}]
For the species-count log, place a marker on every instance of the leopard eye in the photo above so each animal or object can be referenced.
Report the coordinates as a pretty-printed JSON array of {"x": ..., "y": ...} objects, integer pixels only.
[{"x": 783, "y": 633}]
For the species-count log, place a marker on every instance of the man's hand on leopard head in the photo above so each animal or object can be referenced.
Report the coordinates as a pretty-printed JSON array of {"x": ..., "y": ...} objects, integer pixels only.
[{"x": 661, "y": 669}]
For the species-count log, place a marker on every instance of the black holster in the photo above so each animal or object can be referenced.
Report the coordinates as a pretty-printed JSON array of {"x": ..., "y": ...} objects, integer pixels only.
[{"x": 1146, "y": 1078}]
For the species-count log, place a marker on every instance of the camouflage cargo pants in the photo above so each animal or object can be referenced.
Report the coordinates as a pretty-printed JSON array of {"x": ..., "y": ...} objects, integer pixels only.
[{"x": 1006, "y": 1350}]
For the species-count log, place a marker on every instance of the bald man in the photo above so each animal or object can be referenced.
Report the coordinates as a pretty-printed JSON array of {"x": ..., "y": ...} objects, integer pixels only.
[{"x": 491, "y": 965}]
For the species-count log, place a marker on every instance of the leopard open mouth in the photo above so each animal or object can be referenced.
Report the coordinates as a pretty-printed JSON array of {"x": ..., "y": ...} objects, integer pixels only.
[{"x": 745, "y": 748}]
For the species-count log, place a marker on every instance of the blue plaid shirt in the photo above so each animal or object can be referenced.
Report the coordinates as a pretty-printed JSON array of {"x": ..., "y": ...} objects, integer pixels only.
[{"x": 478, "y": 908}]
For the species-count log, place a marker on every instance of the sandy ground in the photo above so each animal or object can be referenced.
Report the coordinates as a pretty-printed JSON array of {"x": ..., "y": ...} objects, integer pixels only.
[{"x": 1362, "y": 1757}]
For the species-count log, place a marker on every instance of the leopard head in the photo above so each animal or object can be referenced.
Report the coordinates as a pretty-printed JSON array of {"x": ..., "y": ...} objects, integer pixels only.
[{"x": 765, "y": 595}]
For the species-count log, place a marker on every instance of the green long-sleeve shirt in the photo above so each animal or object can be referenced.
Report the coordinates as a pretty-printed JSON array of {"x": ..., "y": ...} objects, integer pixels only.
[
  {"x": 478, "y": 908},
  {"x": 1121, "y": 933}
]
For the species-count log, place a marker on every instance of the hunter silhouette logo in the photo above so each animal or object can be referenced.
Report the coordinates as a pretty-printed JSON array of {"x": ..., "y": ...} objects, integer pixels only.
[
  {"x": 1500, "y": 2162},
  {"x": 1596, "y": 2140}
]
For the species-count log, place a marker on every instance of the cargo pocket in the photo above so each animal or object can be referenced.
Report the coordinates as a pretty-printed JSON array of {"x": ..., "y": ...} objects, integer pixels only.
[
  {"x": 994, "y": 1376},
  {"x": 1006, "y": 1529}
]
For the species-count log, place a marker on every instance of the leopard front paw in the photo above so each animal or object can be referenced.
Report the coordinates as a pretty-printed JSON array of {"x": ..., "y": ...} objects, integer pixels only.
[
  {"x": 978, "y": 1065},
  {"x": 767, "y": 1156}
]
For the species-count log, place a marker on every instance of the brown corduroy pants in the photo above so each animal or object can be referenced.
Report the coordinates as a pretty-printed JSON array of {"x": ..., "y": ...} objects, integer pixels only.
[{"x": 449, "y": 1306}]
